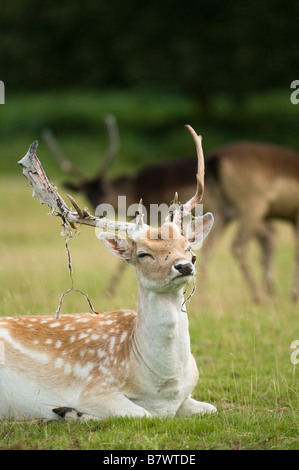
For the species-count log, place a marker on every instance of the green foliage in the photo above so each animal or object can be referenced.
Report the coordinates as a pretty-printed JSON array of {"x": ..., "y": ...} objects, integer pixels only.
[
  {"x": 151, "y": 126},
  {"x": 193, "y": 47}
]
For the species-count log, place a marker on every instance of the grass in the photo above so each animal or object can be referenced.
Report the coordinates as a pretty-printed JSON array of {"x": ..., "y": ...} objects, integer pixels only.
[{"x": 242, "y": 350}]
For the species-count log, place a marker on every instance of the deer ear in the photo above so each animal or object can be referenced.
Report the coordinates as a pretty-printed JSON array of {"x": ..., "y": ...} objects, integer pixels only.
[
  {"x": 197, "y": 230},
  {"x": 117, "y": 245}
]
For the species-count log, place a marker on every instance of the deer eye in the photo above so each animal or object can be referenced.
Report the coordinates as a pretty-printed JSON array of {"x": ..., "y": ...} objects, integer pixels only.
[{"x": 144, "y": 255}]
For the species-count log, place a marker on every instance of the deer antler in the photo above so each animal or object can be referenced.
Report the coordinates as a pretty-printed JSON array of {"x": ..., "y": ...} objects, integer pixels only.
[
  {"x": 200, "y": 163},
  {"x": 186, "y": 208},
  {"x": 56, "y": 150},
  {"x": 114, "y": 144},
  {"x": 68, "y": 167},
  {"x": 47, "y": 194}
]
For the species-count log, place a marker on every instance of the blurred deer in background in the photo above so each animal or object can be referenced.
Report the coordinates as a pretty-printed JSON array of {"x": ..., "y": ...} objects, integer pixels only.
[
  {"x": 254, "y": 184},
  {"x": 120, "y": 363},
  {"x": 156, "y": 183},
  {"x": 246, "y": 182}
]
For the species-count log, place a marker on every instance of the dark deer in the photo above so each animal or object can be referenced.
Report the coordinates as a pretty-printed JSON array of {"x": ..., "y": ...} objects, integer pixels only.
[
  {"x": 156, "y": 184},
  {"x": 250, "y": 183}
]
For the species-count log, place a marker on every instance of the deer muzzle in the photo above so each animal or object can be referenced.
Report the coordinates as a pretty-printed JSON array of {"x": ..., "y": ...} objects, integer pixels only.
[{"x": 184, "y": 268}]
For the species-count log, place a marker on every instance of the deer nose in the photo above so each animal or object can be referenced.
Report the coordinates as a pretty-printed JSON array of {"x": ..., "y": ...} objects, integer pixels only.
[{"x": 185, "y": 269}]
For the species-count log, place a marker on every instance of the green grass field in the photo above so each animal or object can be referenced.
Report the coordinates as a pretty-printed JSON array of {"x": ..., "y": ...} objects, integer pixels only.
[{"x": 242, "y": 349}]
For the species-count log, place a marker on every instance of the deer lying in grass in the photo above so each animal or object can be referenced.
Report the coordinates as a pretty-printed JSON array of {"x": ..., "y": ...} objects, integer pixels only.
[{"x": 120, "y": 363}]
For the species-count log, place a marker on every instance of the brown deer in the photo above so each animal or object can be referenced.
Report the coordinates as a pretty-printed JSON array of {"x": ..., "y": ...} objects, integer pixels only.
[
  {"x": 253, "y": 184},
  {"x": 250, "y": 183},
  {"x": 119, "y": 363}
]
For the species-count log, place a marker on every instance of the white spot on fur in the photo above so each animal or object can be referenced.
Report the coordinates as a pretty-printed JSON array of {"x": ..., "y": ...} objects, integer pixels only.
[
  {"x": 82, "y": 372},
  {"x": 101, "y": 353},
  {"x": 123, "y": 336},
  {"x": 58, "y": 344},
  {"x": 104, "y": 369},
  {"x": 83, "y": 335},
  {"x": 110, "y": 379},
  {"x": 58, "y": 363},
  {"x": 67, "y": 368},
  {"x": 40, "y": 357},
  {"x": 112, "y": 341},
  {"x": 127, "y": 313}
]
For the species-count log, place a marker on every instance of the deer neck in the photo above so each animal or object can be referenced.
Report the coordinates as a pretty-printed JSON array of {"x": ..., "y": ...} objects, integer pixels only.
[{"x": 161, "y": 336}]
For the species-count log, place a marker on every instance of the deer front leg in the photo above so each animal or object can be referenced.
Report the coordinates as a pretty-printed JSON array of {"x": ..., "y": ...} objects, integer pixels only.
[
  {"x": 239, "y": 247},
  {"x": 117, "y": 405},
  {"x": 191, "y": 407},
  {"x": 265, "y": 236}
]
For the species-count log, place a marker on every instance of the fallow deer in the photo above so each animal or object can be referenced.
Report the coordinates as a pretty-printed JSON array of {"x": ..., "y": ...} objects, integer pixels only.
[
  {"x": 253, "y": 184},
  {"x": 119, "y": 363}
]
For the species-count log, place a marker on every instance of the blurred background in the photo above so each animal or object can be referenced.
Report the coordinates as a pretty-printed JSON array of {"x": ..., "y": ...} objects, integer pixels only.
[{"x": 224, "y": 67}]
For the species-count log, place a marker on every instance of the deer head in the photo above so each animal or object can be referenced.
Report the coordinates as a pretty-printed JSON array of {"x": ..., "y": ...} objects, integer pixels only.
[{"x": 163, "y": 257}]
